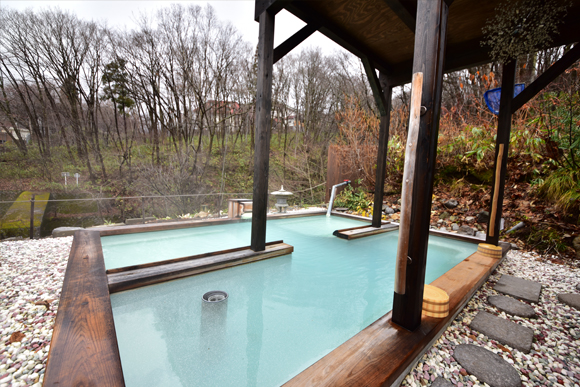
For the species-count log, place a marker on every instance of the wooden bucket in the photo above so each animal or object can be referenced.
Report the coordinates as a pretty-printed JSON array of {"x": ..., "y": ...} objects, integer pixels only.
[
  {"x": 435, "y": 302},
  {"x": 489, "y": 250}
]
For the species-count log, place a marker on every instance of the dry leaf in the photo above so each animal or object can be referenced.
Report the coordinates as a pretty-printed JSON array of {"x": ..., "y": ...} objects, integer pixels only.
[
  {"x": 503, "y": 348},
  {"x": 43, "y": 303},
  {"x": 16, "y": 337}
]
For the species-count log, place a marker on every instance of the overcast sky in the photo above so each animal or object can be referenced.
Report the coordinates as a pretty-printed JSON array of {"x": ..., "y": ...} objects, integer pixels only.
[{"x": 123, "y": 13}]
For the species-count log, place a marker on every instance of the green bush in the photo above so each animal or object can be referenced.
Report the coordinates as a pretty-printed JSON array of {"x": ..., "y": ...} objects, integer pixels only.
[{"x": 352, "y": 199}]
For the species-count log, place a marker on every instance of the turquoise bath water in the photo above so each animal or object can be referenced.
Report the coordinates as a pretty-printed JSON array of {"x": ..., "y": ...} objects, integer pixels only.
[{"x": 282, "y": 315}]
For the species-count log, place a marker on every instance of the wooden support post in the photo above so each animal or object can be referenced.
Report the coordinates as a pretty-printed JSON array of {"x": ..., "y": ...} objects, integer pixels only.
[
  {"x": 32, "y": 217},
  {"x": 263, "y": 130},
  {"x": 408, "y": 181},
  {"x": 382, "y": 91},
  {"x": 504, "y": 123},
  {"x": 382, "y": 152},
  {"x": 429, "y": 57}
]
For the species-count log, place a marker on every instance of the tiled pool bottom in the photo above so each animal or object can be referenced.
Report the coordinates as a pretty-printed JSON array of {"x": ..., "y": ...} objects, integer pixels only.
[{"x": 282, "y": 315}]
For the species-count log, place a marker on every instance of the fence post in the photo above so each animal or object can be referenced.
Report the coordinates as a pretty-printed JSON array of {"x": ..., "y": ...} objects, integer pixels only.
[
  {"x": 143, "y": 208},
  {"x": 32, "y": 216}
]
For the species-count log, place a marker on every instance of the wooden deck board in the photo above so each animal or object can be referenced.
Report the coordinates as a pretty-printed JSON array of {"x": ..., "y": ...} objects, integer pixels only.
[
  {"x": 149, "y": 275},
  {"x": 83, "y": 350},
  {"x": 363, "y": 231},
  {"x": 378, "y": 355}
]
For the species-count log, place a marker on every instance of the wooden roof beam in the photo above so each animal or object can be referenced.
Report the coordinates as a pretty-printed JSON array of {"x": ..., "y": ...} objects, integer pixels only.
[
  {"x": 407, "y": 17},
  {"x": 293, "y": 41},
  {"x": 335, "y": 33},
  {"x": 274, "y": 6},
  {"x": 375, "y": 85},
  {"x": 567, "y": 60}
]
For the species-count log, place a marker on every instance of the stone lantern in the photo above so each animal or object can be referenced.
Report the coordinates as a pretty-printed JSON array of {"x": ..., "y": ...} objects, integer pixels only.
[{"x": 281, "y": 199}]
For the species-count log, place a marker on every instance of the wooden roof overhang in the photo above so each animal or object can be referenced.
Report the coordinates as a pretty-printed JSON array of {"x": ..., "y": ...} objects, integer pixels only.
[{"x": 384, "y": 30}]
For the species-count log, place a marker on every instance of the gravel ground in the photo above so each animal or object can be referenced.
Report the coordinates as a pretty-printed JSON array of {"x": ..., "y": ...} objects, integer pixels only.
[
  {"x": 31, "y": 275},
  {"x": 555, "y": 356}
]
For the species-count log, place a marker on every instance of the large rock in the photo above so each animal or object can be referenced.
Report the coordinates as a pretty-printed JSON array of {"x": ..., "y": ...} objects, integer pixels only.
[
  {"x": 466, "y": 230},
  {"x": 576, "y": 244},
  {"x": 452, "y": 203},
  {"x": 504, "y": 331},
  {"x": 65, "y": 231},
  {"x": 512, "y": 306},
  {"x": 570, "y": 299},
  {"x": 388, "y": 210},
  {"x": 487, "y": 366},
  {"x": 519, "y": 288},
  {"x": 483, "y": 217}
]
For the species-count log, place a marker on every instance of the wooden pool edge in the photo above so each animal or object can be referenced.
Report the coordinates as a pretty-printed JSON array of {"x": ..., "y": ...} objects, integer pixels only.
[
  {"x": 83, "y": 348},
  {"x": 95, "y": 331},
  {"x": 177, "y": 225},
  {"x": 189, "y": 266},
  {"x": 364, "y": 231},
  {"x": 383, "y": 353}
]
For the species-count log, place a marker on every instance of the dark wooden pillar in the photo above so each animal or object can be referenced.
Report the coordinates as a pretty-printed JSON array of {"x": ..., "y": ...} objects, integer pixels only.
[
  {"x": 387, "y": 91},
  {"x": 263, "y": 130},
  {"x": 429, "y": 56},
  {"x": 502, "y": 142},
  {"x": 382, "y": 91}
]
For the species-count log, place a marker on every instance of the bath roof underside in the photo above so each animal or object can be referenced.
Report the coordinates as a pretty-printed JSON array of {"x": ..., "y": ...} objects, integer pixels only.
[{"x": 384, "y": 30}]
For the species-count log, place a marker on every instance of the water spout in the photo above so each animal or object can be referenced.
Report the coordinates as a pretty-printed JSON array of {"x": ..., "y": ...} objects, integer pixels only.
[{"x": 333, "y": 195}]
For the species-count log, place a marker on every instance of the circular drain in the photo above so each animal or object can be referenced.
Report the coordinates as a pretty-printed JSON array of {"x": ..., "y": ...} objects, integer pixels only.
[{"x": 214, "y": 296}]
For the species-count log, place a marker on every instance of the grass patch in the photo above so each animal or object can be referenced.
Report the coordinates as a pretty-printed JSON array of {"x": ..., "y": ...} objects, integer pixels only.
[{"x": 16, "y": 220}]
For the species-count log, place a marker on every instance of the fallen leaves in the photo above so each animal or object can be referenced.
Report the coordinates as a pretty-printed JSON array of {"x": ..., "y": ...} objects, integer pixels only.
[
  {"x": 504, "y": 348},
  {"x": 16, "y": 337}
]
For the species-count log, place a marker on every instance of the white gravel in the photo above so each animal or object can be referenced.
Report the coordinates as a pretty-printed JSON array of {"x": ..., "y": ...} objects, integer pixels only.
[{"x": 32, "y": 272}]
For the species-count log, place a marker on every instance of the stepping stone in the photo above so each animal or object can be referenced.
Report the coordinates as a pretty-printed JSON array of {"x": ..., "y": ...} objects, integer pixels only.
[
  {"x": 441, "y": 382},
  {"x": 504, "y": 331},
  {"x": 487, "y": 366},
  {"x": 519, "y": 288},
  {"x": 512, "y": 306},
  {"x": 570, "y": 299}
]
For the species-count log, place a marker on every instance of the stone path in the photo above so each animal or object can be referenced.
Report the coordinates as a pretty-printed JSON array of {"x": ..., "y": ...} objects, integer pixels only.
[
  {"x": 487, "y": 366},
  {"x": 504, "y": 331},
  {"x": 553, "y": 360},
  {"x": 441, "y": 382},
  {"x": 570, "y": 299},
  {"x": 519, "y": 288},
  {"x": 512, "y": 306}
]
